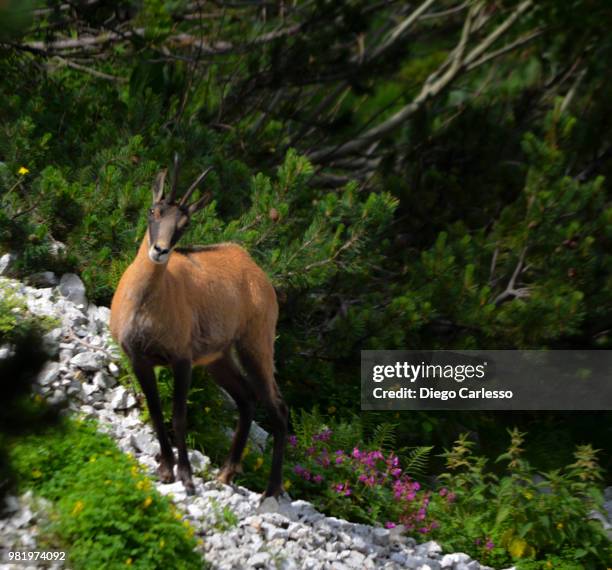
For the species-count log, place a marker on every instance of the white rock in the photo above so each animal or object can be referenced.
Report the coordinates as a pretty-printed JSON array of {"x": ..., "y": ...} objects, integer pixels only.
[
  {"x": 89, "y": 389},
  {"x": 49, "y": 373},
  {"x": 195, "y": 511},
  {"x": 11, "y": 504},
  {"x": 103, "y": 317},
  {"x": 143, "y": 442},
  {"x": 175, "y": 488},
  {"x": 6, "y": 262},
  {"x": 58, "y": 397},
  {"x": 199, "y": 461},
  {"x": 121, "y": 399},
  {"x": 71, "y": 287},
  {"x": 258, "y": 436},
  {"x": 273, "y": 532},
  {"x": 430, "y": 548},
  {"x": 448, "y": 560},
  {"x": 360, "y": 544},
  {"x": 43, "y": 279},
  {"x": 6, "y": 351},
  {"x": 259, "y": 560},
  {"x": 288, "y": 564},
  {"x": 381, "y": 536},
  {"x": 51, "y": 341},
  {"x": 268, "y": 505},
  {"x": 113, "y": 369},
  {"x": 103, "y": 381},
  {"x": 88, "y": 360}
]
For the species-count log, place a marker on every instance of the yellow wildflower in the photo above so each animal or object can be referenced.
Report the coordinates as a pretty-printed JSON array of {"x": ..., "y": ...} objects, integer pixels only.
[
  {"x": 36, "y": 473},
  {"x": 143, "y": 485},
  {"x": 287, "y": 484},
  {"x": 78, "y": 507},
  {"x": 22, "y": 171},
  {"x": 178, "y": 516},
  {"x": 162, "y": 543},
  {"x": 92, "y": 459},
  {"x": 258, "y": 463},
  {"x": 207, "y": 409},
  {"x": 128, "y": 562},
  {"x": 134, "y": 470},
  {"x": 559, "y": 525},
  {"x": 528, "y": 495},
  {"x": 147, "y": 502}
]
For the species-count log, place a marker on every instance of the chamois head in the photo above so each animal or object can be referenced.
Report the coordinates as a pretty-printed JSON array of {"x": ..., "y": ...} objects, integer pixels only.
[{"x": 168, "y": 219}]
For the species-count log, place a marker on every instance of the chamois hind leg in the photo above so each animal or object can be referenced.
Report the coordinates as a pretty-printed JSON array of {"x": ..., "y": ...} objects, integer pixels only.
[
  {"x": 182, "y": 381},
  {"x": 146, "y": 378},
  {"x": 228, "y": 376},
  {"x": 256, "y": 353}
]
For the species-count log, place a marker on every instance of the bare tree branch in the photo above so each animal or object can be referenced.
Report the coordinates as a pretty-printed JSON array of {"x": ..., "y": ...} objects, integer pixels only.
[
  {"x": 435, "y": 84},
  {"x": 89, "y": 70},
  {"x": 511, "y": 292},
  {"x": 398, "y": 32}
]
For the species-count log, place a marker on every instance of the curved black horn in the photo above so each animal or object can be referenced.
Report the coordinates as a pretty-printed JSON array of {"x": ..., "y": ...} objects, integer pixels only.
[{"x": 190, "y": 190}]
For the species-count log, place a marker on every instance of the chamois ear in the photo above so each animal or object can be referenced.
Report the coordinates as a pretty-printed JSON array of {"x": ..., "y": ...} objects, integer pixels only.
[
  {"x": 175, "y": 175},
  {"x": 158, "y": 186}
]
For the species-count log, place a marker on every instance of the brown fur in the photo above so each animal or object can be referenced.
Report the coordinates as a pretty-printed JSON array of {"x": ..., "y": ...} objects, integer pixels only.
[
  {"x": 199, "y": 306},
  {"x": 195, "y": 306}
]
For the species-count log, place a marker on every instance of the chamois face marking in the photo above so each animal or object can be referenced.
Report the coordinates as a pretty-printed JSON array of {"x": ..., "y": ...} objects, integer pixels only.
[
  {"x": 167, "y": 223},
  {"x": 168, "y": 219}
]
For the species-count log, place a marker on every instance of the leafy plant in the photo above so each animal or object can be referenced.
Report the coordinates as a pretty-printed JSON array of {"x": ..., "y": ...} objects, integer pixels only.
[
  {"x": 521, "y": 515},
  {"x": 106, "y": 513}
]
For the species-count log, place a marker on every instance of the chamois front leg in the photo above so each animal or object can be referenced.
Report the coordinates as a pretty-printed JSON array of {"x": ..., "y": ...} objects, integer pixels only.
[
  {"x": 182, "y": 381},
  {"x": 146, "y": 378}
]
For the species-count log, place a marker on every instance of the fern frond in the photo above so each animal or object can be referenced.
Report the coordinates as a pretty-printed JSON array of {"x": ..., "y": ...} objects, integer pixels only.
[
  {"x": 384, "y": 436},
  {"x": 416, "y": 461}
]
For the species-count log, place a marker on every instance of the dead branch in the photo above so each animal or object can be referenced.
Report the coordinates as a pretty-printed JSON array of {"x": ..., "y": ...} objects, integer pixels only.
[
  {"x": 436, "y": 83},
  {"x": 511, "y": 292}
]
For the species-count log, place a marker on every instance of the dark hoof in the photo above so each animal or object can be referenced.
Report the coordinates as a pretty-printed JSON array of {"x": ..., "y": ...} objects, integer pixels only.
[
  {"x": 184, "y": 475},
  {"x": 227, "y": 473},
  {"x": 165, "y": 474},
  {"x": 273, "y": 492}
]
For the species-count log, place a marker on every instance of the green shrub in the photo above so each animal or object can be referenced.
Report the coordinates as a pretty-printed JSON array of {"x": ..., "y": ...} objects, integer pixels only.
[
  {"x": 518, "y": 517},
  {"x": 106, "y": 512}
]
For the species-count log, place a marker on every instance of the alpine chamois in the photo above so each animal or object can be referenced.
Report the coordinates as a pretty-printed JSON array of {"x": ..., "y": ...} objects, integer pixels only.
[{"x": 211, "y": 306}]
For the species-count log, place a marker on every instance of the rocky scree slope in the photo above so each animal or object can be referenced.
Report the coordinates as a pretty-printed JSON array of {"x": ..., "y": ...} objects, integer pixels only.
[{"x": 285, "y": 535}]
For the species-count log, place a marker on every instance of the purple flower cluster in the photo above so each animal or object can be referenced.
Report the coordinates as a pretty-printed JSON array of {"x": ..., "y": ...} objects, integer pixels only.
[
  {"x": 324, "y": 435},
  {"x": 488, "y": 543},
  {"x": 360, "y": 472},
  {"x": 343, "y": 489}
]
